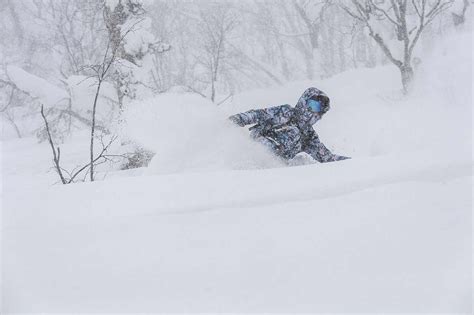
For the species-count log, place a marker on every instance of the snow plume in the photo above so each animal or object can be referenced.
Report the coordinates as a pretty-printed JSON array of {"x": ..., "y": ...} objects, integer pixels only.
[{"x": 189, "y": 133}]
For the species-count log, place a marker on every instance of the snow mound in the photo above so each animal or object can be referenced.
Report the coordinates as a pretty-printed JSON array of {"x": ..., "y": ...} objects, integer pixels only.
[
  {"x": 189, "y": 133},
  {"x": 37, "y": 87}
]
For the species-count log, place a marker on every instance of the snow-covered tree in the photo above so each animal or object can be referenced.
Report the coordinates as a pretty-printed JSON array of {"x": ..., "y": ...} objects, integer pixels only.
[
  {"x": 216, "y": 23},
  {"x": 129, "y": 34},
  {"x": 405, "y": 19}
]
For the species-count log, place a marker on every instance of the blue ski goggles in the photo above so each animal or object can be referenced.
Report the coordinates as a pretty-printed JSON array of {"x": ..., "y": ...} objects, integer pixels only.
[{"x": 315, "y": 106}]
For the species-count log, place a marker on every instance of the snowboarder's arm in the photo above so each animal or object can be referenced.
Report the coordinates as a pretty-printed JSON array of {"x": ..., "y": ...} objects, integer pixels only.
[
  {"x": 248, "y": 118},
  {"x": 271, "y": 116},
  {"x": 320, "y": 153}
]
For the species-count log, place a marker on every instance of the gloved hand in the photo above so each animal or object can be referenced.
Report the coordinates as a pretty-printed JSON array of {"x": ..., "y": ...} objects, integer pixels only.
[{"x": 237, "y": 120}]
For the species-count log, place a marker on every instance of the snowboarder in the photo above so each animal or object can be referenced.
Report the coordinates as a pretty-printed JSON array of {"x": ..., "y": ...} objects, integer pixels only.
[{"x": 288, "y": 131}]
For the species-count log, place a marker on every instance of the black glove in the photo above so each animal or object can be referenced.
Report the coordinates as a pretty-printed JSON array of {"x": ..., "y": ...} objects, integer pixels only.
[
  {"x": 236, "y": 119},
  {"x": 340, "y": 158}
]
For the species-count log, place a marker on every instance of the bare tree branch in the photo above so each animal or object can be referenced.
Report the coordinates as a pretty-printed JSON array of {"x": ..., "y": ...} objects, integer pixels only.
[{"x": 56, "y": 156}]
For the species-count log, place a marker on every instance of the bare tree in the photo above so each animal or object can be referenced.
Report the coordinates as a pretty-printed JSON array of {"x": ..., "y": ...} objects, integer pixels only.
[
  {"x": 19, "y": 30},
  {"x": 56, "y": 151},
  {"x": 458, "y": 19},
  {"x": 311, "y": 14},
  {"x": 72, "y": 32},
  {"x": 408, "y": 19},
  {"x": 272, "y": 43},
  {"x": 100, "y": 73},
  {"x": 68, "y": 177},
  {"x": 216, "y": 23},
  {"x": 6, "y": 109}
]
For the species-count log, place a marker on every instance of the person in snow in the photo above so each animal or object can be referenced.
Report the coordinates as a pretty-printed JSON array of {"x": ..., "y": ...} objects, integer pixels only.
[{"x": 288, "y": 130}]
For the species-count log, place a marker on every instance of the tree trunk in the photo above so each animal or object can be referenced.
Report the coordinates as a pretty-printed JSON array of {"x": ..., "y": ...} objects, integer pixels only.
[
  {"x": 14, "y": 125},
  {"x": 94, "y": 108},
  {"x": 213, "y": 90},
  {"x": 459, "y": 19},
  {"x": 284, "y": 64},
  {"x": 309, "y": 59},
  {"x": 407, "y": 74},
  {"x": 342, "y": 56}
]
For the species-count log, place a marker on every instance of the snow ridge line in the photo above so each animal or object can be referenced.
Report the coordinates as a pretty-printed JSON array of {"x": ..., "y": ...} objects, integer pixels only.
[
  {"x": 333, "y": 189},
  {"x": 454, "y": 171}
]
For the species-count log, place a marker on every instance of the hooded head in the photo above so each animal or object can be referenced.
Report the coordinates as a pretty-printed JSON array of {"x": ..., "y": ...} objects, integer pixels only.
[{"x": 307, "y": 115}]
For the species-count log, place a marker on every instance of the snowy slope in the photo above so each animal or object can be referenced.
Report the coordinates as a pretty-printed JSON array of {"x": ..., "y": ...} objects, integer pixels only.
[
  {"x": 215, "y": 224},
  {"x": 378, "y": 237}
]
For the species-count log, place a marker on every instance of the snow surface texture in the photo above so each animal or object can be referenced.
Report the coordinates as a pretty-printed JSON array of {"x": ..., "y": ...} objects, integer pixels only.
[{"x": 212, "y": 227}]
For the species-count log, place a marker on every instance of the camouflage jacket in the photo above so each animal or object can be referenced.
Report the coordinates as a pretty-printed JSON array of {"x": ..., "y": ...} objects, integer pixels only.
[{"x": 289, "y": 130}]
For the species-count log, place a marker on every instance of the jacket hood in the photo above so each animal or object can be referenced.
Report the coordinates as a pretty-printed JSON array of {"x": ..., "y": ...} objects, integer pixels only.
[
  {"x": 305, "y": 114},
  {"x": 309, "y": 93}
]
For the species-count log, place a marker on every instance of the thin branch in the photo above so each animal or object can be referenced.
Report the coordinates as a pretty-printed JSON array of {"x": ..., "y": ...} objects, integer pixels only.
[
  {"x": 413, "y": 2},
  {"x": 385, "y": 13},
  {"x": 94, "y": 160},
  {"x": 195, "y": 91},
  {"x": 225, "y": 99},
  {"x": 84, "y": 120},
  {"x": 55, "y": 156},
  {"x": 352, "y": 14}
]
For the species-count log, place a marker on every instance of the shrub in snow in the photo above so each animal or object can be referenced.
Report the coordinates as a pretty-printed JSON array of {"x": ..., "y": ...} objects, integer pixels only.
[{"x": 141, "y": 157}]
